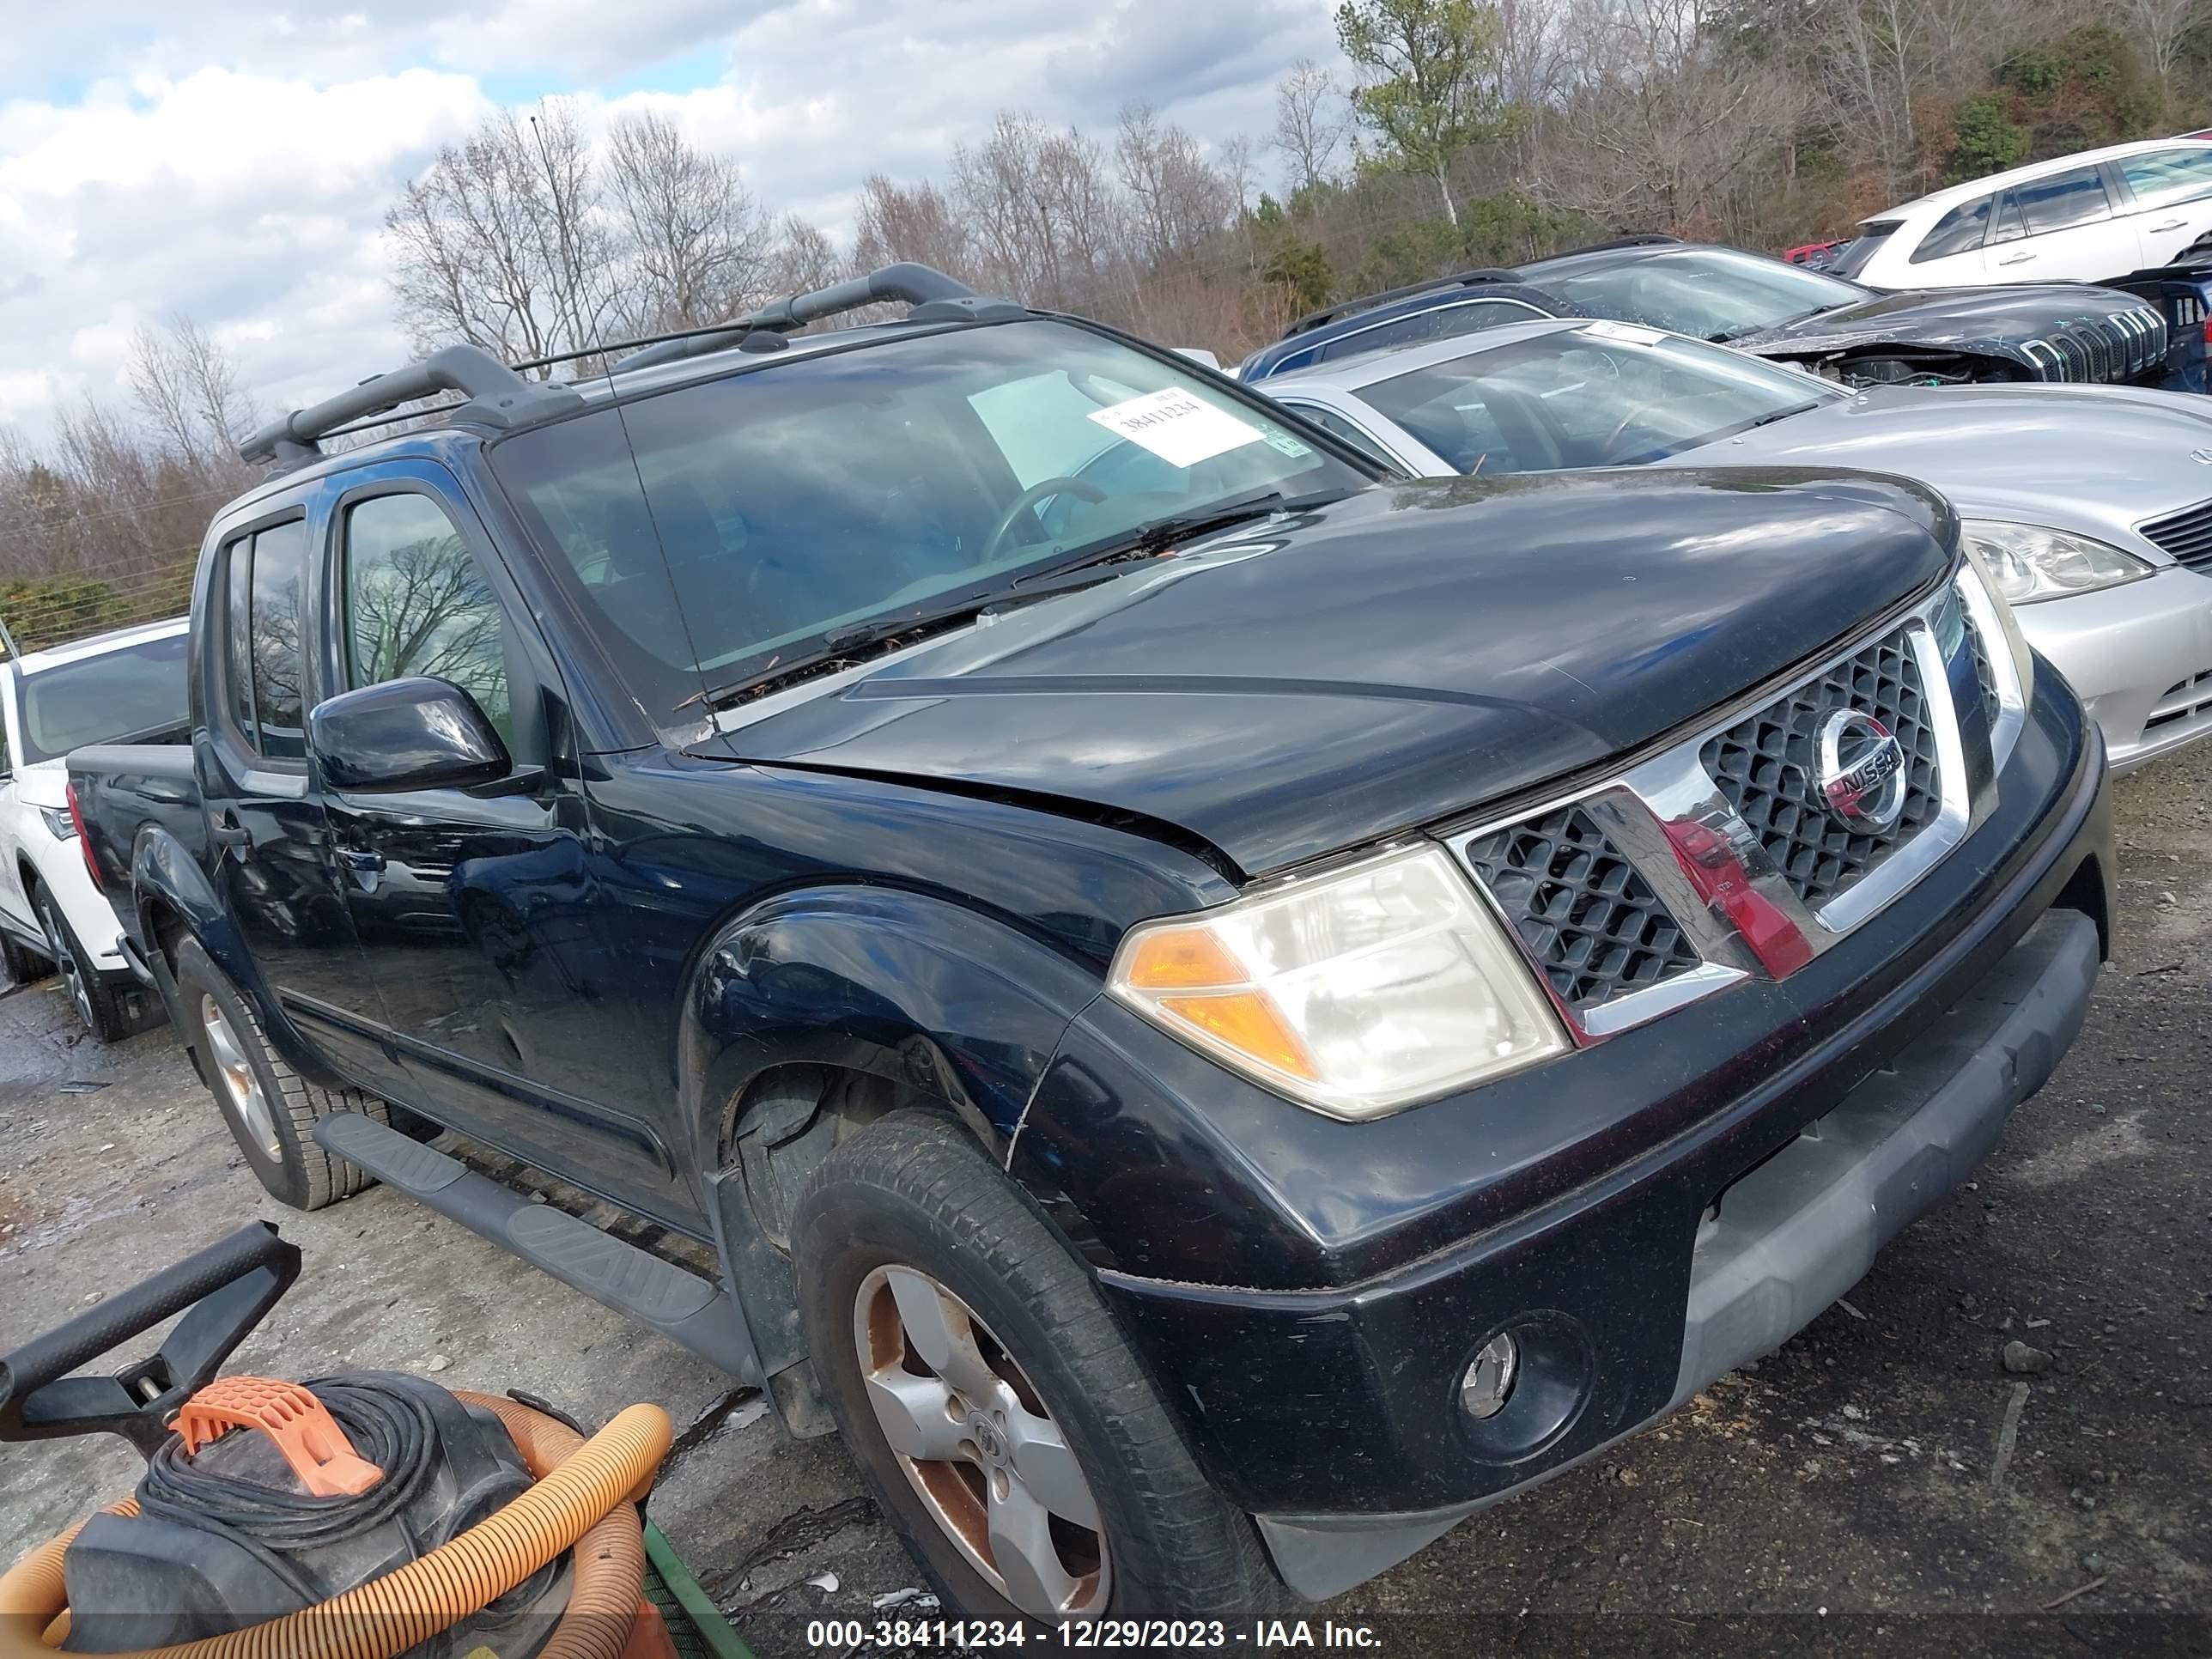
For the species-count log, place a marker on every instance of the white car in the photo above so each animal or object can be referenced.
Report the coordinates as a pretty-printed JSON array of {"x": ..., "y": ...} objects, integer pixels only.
[
  {"x": 123, "y": 687},
  {"x": 2082, "y": 218}
]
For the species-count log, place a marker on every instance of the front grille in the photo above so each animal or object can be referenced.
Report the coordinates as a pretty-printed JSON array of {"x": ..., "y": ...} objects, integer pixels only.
[
  {"x": 1985, "y": 676},
  {"x": 2185, "y": 536},
  {"x": 2184, "y": 700},
  {"x": 1767, "y": 766},
  {"x": 1583, "y": 912},
  {"x": 2120, "y": 348}
]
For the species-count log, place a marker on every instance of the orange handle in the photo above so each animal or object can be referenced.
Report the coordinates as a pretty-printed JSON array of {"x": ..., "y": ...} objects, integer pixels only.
[{"x": 300, "y": 1424}]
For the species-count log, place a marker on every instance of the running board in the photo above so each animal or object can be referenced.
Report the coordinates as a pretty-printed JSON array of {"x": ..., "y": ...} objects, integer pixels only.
[{"x": 683, "y": 1307}]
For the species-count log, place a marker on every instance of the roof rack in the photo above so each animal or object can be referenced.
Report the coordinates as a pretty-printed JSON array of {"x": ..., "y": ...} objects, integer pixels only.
[
  {"x": 1646, "y": 238},
  {"x": 1327, "y": 314},
  {"x": 934, "y": 296},
  {"x": 496, "y": 395}
]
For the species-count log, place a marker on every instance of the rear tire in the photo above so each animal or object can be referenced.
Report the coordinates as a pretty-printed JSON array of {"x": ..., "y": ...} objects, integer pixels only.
[
  {"x": 98, "y": 1003},
  {"x": 271, "y": 1110},
  {"x": 907, "y": 1221}
]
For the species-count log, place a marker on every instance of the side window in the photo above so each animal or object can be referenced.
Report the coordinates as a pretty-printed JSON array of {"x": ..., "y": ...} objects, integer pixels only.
[
  {"x": 2065, "y": 198},
  {"x": 1329, "y": 421},
  {"x": 7, "y": 761},
  {"x": 417, "y": 603},
  {"x": 1958, "y": 231},
  {"x": 2009, "y": 226},
  {"x": 261, "y": 638},
  {"x": 2165, "y": 176}
]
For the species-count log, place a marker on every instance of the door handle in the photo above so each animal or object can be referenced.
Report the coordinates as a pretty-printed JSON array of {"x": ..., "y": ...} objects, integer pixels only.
[
  {"x": 230, "y": 835},
  {"x": 367, "y": 864},
  {"x": 2015, "y": 259},
  {"x": 2171, "y": 224}
]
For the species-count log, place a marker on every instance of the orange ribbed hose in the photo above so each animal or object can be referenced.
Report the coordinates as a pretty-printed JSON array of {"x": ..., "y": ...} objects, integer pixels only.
[
  {"x": 602, "y": 1596},
  {"x": 388, "y": 1615}
]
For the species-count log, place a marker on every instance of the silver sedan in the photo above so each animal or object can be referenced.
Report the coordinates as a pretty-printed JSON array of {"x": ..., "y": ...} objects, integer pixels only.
[{"x": 2091, "y": 507}]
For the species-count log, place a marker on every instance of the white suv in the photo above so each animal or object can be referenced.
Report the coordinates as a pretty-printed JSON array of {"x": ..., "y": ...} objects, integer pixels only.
[
  {"x": 123, "y": 687},
  {"x": 2081, "y": 218}
]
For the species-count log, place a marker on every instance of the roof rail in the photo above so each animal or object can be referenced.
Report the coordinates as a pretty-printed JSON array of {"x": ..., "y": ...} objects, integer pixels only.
[
  {"x": 935, "y": 296},
  {"x": 1314, "y": 319},
  {"x": 496, "y": 396},
  {"x": 1647, "y": 239}
]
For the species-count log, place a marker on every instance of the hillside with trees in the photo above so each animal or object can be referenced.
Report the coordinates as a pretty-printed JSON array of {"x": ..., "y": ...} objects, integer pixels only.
[{"x": 1448, "y": 134}]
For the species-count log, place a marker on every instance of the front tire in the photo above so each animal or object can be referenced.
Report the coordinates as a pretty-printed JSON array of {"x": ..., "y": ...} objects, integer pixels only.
[
  {"x": 271, "y": 1110},
  {"x": 1008, "y": 1428},
  {"x": 97, "y": 1001}
]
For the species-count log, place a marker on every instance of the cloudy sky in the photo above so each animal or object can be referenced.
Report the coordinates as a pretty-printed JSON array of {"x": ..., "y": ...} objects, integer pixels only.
[{"x": 233, "y": 160}]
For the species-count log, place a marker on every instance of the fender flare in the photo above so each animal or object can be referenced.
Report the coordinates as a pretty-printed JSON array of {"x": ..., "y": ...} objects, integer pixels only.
[
  {"x": 166, "y": 874},
  {"x": 933, "y": 994}
]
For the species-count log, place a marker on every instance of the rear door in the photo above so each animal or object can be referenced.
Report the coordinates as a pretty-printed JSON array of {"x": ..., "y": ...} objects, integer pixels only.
[
  {"x": 2061, "y": 227},
  {"x": 269, "y": 838},
  {"x": 15, "y": 903},
  {"x": 2169, "y": 201},
  {"x": 479, "y": 913},
  {"x": 1949, "y": 254}
]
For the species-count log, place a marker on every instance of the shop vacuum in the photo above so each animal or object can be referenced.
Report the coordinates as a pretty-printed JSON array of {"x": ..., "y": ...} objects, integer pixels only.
[{"x": 360, "y": 1515}]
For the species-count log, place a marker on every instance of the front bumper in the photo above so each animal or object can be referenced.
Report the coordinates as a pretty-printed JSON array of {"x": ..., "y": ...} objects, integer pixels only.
[
  {"x": 2138, "y": 656},
  {"x": 1329, "y": 1408}
]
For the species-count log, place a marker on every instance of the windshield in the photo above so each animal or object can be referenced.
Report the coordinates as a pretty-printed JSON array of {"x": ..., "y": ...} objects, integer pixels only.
[
  {"x": 1704, "y": 292},
  {"x": 1603, "y": 394},
  {"x": 115, "y": 697},
  {"x": 816, "y": 495}
]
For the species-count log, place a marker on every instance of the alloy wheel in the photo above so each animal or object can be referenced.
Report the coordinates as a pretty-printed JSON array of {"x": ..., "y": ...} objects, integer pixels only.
[
  {"x": 991, "y": 1466},
  {"x": 72, "y": 971},
  {"x": 235, "y": 1075}
]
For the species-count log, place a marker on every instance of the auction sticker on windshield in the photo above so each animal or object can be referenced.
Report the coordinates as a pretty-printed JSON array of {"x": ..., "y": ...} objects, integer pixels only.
[
  {"x": 1179, "y": 426},
  {"x": 1626, "y": 333}
]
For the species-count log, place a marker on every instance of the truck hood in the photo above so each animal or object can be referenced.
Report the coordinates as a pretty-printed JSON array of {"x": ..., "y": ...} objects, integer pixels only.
[
  {"x": 1994, "y": 321},
  {"x": 1398, "y": 658},
  {"x": 2098, "y": 460}
]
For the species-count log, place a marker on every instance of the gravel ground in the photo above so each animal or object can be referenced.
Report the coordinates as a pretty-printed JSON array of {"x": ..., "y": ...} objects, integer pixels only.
[{"x": 1853, "y": 1478}]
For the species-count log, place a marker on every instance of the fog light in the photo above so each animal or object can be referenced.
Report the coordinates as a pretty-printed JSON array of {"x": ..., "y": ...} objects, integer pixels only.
[{"x": 1488, "y": 1384}]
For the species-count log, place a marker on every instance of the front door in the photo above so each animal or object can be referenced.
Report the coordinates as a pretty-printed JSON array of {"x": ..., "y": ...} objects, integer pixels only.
[{"x": 482, "y": 923}]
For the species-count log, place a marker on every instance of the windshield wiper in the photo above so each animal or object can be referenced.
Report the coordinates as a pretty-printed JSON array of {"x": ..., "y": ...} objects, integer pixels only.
[
  {"x": 1781, "y": 414},
  {"x": 1068, "y": 575},
  {"x": 1155, "y": 535},
  {"x": 1728, "y": 334}
]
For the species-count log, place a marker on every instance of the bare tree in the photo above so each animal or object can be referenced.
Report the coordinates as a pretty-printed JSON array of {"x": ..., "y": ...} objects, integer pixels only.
[
  {"x": 160, "y": 386},
  {"x": 1311, "y": 119},
  {"x": 1177, "y": 200},
  {"x": 501, "y": 243},
  {"x": 698, "y": 245},
  {"x": 2160, "y": 27},
  {"x": 917, "y": 222},
  {"x": 804, "y": 257}
]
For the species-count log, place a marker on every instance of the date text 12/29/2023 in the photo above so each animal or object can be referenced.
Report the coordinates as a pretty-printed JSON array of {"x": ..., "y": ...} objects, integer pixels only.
[{"x": 846, "y": 1636}]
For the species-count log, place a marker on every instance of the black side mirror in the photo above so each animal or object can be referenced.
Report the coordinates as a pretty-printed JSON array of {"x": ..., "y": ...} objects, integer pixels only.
[{"x": 420, "y": 733}]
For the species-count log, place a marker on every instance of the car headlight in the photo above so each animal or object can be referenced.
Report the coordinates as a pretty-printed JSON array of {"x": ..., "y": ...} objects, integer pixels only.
[
  {"x": 2028, "y": 562},
  {"x": 57, "y": 821},
  {"x": 1354, "y": 993},
  {"x": 1992, "y": 617}
]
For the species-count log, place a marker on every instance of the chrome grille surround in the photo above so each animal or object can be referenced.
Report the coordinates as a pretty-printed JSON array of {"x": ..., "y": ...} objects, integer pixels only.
[{"x": 1735, "y": 912}]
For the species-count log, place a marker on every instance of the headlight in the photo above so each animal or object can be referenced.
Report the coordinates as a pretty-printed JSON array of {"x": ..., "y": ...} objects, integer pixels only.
[
  {"x": 1992, "y": 616},
  {"x": 1355, "y": 992},
  {"x": 57, "y": 821},
  {"x": 2028, "y": 562}
]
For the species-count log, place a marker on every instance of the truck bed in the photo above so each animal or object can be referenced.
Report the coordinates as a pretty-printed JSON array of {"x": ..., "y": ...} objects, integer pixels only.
[{"x": 123, "y": 789}]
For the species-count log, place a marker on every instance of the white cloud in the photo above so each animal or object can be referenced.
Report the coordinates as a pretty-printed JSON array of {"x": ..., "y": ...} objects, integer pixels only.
[{"x": 232, "y": 161}]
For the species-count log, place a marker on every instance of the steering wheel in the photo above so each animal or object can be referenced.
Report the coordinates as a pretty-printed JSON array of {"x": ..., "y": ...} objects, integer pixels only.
[
  {"x": 1042, "y": 490},
  {"x": 1612, "y": 438}
]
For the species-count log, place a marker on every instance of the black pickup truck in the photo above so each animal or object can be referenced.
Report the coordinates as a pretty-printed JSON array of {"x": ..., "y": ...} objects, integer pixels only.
[{"x": 1213, "y": 1026}]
